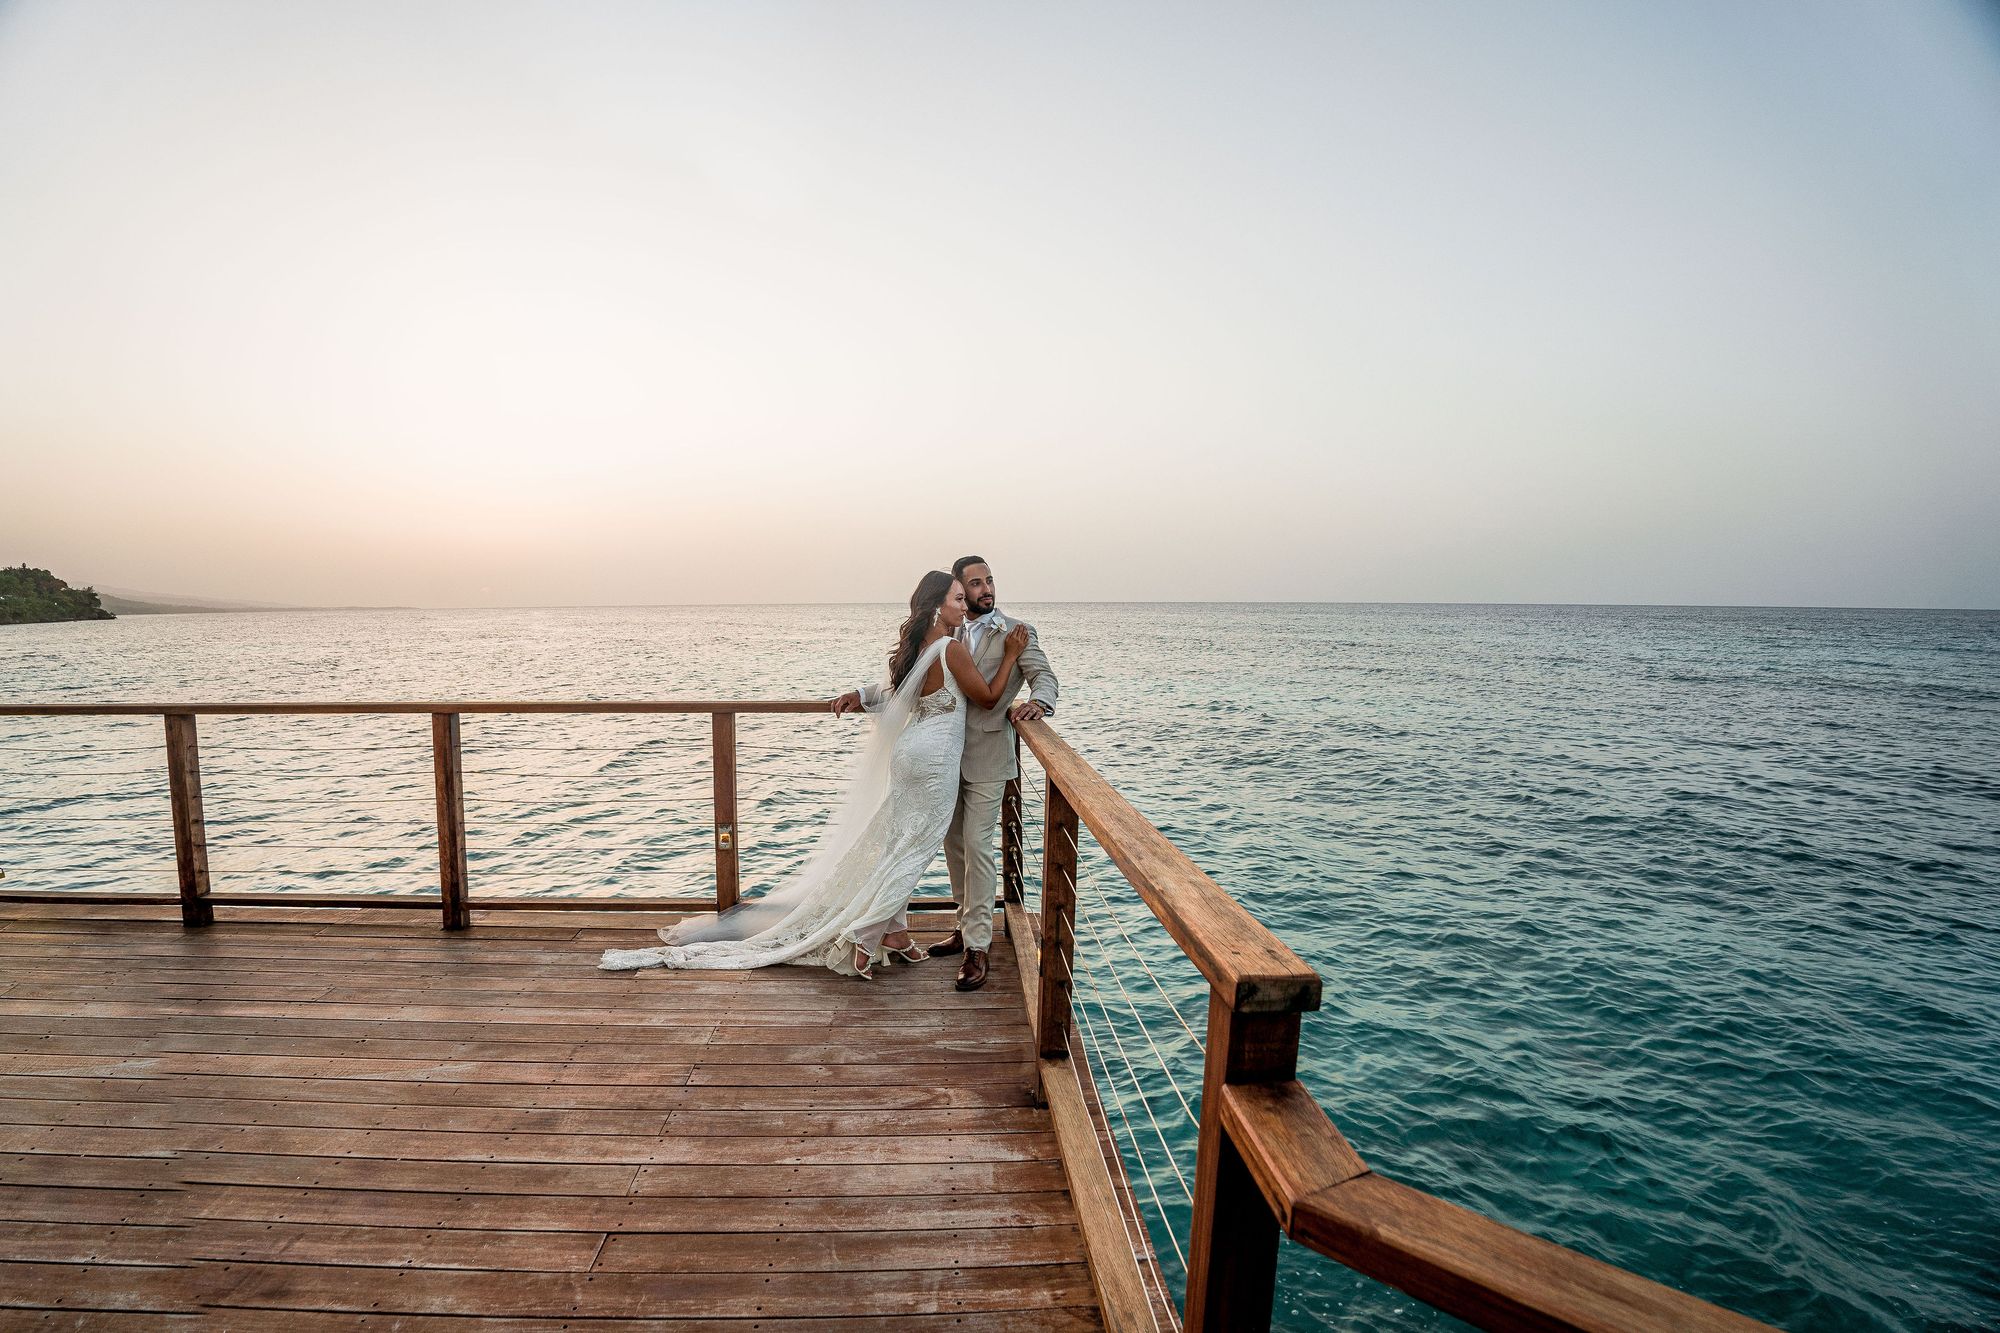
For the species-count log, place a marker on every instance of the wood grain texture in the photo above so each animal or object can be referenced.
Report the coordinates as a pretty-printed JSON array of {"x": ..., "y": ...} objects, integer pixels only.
[
  {"x": 1114, "y": 1268},
  {"x": 722, "y": 756},
  {"x": 1057, "y": 938},
  {"x": 379, "y": 1125},
  {"x": 1233, "y": 1240},
  {"x": 1290, "y": 1146},
  {"x": 1487, "y": 1274},
  {"x": 190, "y": 829},
  {"x": 448, "y": 767},
  {"x": 1233, "y": 950}
]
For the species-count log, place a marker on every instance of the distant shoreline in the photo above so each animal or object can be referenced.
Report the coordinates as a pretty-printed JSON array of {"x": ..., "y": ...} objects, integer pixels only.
[{"x": 126, "y": 606}]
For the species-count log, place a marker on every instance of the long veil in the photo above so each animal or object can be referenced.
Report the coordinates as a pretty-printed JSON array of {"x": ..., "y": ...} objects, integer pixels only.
[{"x": 863, "y": 795}]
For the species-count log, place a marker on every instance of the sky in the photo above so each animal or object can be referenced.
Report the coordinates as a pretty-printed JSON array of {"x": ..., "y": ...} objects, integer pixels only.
[{"x": 572, "y": 303}]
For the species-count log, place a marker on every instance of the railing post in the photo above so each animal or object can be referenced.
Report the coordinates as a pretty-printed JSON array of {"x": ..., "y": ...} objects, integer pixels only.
[
  {"x": 1010, "y": 832},
  {"x": 190, "y": 831},
  {"x": 1058, "y": 923},
  {"x": 727, "y": 883},
  {"x": 1232, "y": 1269},
  {"x": 448, "y": 764}
]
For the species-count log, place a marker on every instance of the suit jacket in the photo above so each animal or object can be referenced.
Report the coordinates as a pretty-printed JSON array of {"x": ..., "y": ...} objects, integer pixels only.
[{"x": 989, "y": 736}]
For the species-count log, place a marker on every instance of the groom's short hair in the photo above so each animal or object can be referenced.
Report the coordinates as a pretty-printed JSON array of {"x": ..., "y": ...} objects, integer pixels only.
[{"x": 965, "y": 562}]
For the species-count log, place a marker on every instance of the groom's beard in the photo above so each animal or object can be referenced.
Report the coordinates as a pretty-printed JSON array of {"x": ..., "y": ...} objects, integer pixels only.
[{"x": 982, "y": 608}]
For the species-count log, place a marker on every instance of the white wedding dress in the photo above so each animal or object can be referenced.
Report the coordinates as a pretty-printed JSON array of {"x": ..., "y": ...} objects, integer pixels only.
[{"x": 857, "y": 884}]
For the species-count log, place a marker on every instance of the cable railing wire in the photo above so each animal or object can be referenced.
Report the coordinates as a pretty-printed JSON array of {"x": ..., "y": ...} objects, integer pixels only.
[
  {"x": 155, "y": 748},
  {"x": 84, "y": 819},
  {"x": 1137, "y": 1021},
  {"x": 469, "y": 748},
  {"x": 1140, "y": 958},
  {"x": 1138, "y": 1089},
  {"x": 159, "y": 770},
  {"x": 289, "y": 803},
  {"x": 470, "y": 774},
  {"x": 1091, "y": 1042},
  {"x": 233, "y": 747},
  {"x": 518, "y": 799},
  {"x": 664, "y": 818}
]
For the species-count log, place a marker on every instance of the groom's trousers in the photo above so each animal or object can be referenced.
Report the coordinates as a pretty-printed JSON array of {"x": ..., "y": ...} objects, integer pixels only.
[{"x": 968, "y": 857}]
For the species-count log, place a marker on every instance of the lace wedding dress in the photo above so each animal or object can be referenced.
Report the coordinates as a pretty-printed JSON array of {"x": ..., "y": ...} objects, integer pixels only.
[{"x": 857, "y": 884}]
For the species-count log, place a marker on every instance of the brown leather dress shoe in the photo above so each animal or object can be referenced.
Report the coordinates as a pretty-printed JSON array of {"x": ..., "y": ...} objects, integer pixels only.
[
  {"x": 952, "y": 943},
  {"x": 971, "y": 972}
]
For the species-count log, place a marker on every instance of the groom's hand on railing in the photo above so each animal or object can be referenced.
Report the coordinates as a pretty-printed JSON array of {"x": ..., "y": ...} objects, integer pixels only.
[
  {"x": 849, "y": 702},
  {"x": 1028, "y": 711}
]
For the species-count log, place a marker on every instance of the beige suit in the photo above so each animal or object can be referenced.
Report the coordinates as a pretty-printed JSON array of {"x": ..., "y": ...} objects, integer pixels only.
[{"x": 984, "y": 772}]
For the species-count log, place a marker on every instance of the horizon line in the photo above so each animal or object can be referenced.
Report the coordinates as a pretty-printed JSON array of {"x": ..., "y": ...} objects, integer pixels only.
[{"x": 251, "y": 609}]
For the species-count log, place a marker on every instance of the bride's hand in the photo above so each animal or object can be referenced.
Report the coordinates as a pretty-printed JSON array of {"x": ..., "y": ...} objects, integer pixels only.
[{"x": 1017, "y": 640}]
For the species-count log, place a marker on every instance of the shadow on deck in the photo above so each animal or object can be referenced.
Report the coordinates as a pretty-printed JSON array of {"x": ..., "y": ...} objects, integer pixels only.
[{"x": 342, "y": 1117}]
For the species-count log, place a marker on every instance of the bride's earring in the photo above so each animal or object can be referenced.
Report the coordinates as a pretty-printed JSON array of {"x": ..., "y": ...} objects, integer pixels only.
[{"x": 936, "y": 616}]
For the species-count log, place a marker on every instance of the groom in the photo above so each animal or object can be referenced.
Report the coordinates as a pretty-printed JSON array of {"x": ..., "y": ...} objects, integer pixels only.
[{"x": 987, "y": 767}]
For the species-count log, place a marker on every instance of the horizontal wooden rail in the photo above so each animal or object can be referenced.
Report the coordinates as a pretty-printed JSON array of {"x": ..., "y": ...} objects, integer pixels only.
[
  {"x": 1239, "y": 956},
  {"x": 1444, "y": 1255},
  {"x": 1268, "y": 1157},
  {"x": 456, "y": 871},
  {"x": 440, "y": 706},
  {"x": 429, "y": 900}
]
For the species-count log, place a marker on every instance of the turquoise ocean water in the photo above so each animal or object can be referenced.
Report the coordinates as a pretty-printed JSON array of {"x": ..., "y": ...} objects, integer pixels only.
[{"x": 1669, "y": 934}]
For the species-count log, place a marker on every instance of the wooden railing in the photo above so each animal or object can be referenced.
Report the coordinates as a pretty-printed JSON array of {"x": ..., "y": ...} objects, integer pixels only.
[
  {"x": 1268, "y": 1158},
  {"x": 455, "y": 899}
]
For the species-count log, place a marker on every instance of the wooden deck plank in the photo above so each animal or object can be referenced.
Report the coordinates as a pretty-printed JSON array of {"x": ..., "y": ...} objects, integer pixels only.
[
  {"x": 395, "y": 1247},
  {"x": 1072, "y": 1319},
  {"x": 307, "y": 1019},
  {"x": 907, "y": 1005},
  {"x": 662, "y": 1213},
  {"x": 55, "y": 1286},
  {"x": 633, "y": 1295},
  {"x": 619, "y": 1096},
  {"x": 15, "y": 1111},
  {"x": 106, "y": 1207},
  {"x": 519, "y": 1120},
  {"x": 84, "y": 1243},
  {"x": 849, "y": 1251},
  {"x": 332, "y": 1118},
  {"x": 124, "y": 1173},
  {"x": 969, "y": 1051},
  {"x": 639, "y": 1252},
  {"x": 685, "y": 1047},
  {"x": 603, "y": 1149},
  {"x": 421, "y": 1176},
  {"x": 696, "y": 1182},
  {"x": 439, "y": 1004}
]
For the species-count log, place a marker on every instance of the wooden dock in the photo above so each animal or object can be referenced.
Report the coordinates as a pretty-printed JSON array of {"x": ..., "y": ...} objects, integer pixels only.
[
  {"x": 241, "y": 1108},
  {"x": 295, "y": 1121}
]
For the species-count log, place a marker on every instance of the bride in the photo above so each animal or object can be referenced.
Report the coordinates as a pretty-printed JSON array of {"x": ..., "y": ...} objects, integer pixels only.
[{"x": 847, "y": 907}]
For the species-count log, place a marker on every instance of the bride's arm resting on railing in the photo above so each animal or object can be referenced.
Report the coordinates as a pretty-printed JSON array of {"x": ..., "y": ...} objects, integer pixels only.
[{"x": 981, "y": 691}]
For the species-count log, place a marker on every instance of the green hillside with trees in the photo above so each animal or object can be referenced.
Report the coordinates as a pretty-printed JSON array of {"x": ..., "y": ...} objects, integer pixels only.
[{"x": 30, "y": 596}]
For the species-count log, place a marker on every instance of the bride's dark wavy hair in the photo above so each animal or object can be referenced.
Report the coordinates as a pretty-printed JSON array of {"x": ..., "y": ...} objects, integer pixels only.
[{"x": 931, "y": 591}]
